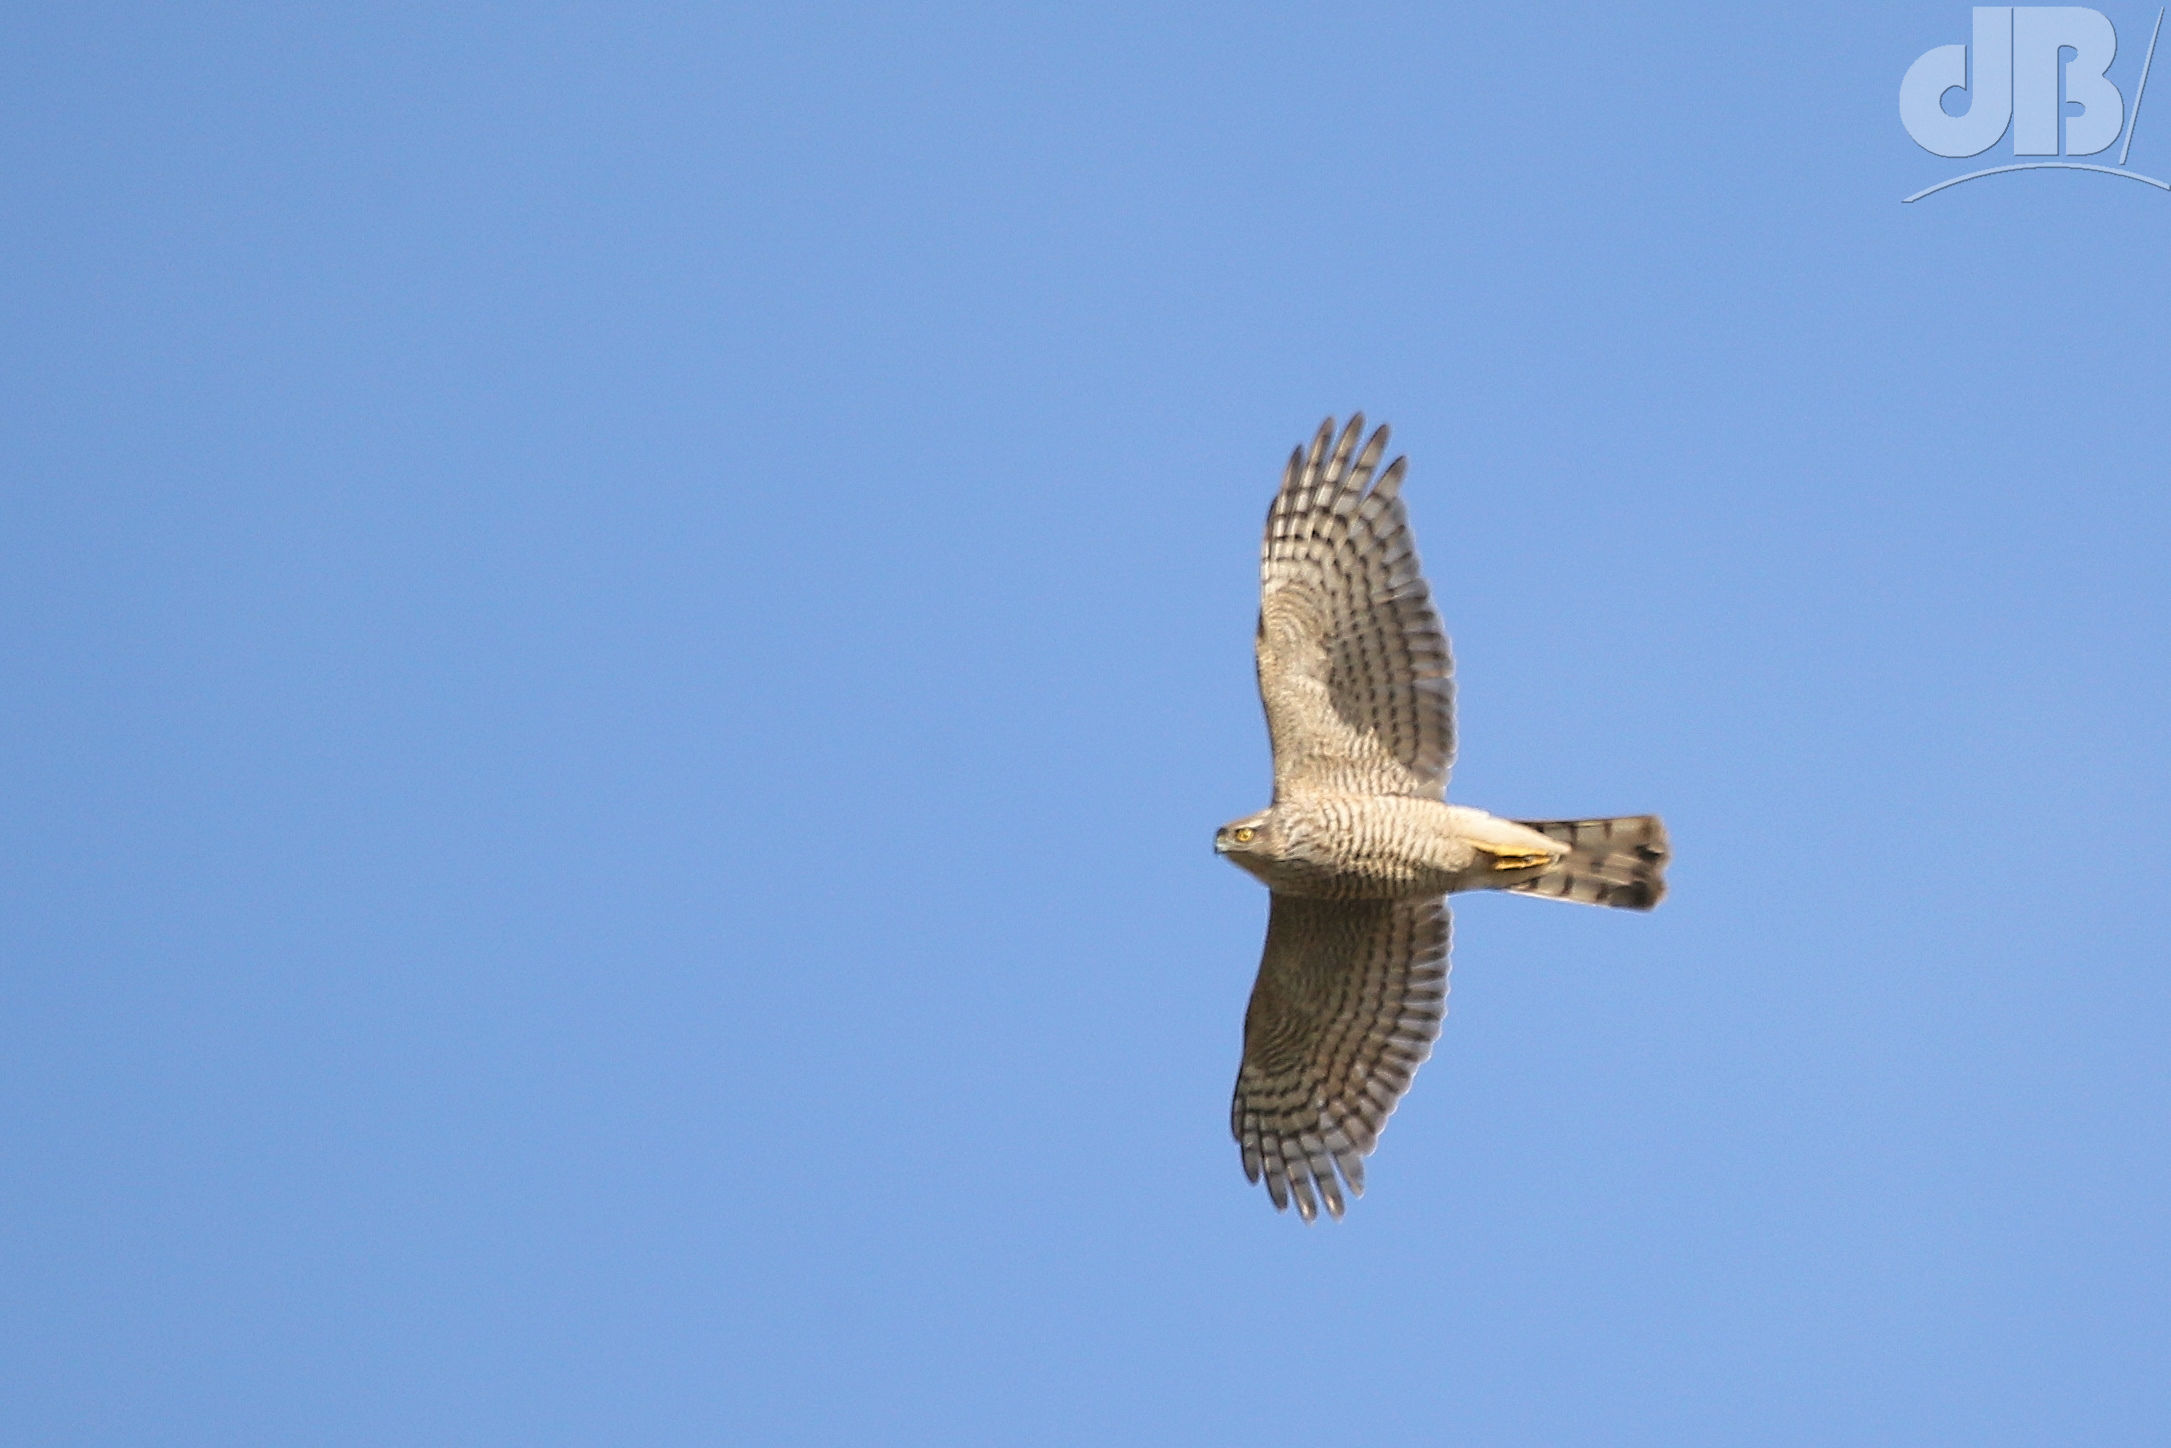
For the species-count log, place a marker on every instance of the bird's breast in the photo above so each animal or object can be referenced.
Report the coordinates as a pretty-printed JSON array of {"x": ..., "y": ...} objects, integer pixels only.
[{"x": 1369, "y": 847}]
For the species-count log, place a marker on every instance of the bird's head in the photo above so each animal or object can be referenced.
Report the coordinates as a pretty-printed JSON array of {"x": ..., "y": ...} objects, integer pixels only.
[{"x": 1252, "y": 839}]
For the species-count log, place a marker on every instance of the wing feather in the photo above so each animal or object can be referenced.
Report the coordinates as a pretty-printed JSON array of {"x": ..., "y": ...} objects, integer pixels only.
[
  {"x": 1346, "y": 1007},
  {"x": 1354, "y": 667}
]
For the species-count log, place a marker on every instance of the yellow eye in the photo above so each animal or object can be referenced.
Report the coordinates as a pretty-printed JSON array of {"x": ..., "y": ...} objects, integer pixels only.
[{"x": 1244, "y": 835}]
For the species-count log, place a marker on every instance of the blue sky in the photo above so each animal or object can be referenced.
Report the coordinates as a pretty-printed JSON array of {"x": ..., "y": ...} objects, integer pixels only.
[{"x": 624, "y": 630}]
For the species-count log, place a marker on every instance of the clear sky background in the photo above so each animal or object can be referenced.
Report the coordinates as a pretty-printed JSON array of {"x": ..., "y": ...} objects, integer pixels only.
[{"x": 624, "y": 629}]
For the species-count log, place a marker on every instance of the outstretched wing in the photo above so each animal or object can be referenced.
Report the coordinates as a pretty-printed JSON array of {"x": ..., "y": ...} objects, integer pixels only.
[
  {"x": 1353, "y": 664},
  {"x": 1348, "y": 1001}
]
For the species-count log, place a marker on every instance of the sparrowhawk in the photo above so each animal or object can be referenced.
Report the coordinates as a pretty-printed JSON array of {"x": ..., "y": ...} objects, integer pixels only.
[{"x": 1360, "y": 848}]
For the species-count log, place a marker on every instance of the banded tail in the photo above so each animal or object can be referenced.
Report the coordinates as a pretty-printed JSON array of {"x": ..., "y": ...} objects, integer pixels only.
[{"x": 1619, "y": 862}]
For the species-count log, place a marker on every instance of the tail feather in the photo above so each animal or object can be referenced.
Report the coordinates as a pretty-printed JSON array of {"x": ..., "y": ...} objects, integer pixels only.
[{"x": 1618, "y": 862}]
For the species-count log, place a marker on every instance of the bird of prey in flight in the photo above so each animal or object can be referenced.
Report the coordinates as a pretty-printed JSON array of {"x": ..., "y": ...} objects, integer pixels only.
[{"x": 1360, "y": 848}]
